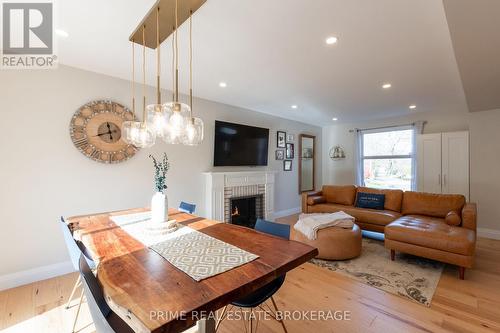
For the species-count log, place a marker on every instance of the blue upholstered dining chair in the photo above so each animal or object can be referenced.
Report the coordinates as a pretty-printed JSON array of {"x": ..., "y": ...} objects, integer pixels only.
[
  {"x": 75, "y": 250},
  {"x": 187, "y": 207},
  {"x": 105, "y": 320},
  {"x": 258, "y": 297}
]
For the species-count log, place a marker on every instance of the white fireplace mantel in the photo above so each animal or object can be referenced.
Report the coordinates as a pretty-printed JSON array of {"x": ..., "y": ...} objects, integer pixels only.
[{"x": 217, "y": 183}]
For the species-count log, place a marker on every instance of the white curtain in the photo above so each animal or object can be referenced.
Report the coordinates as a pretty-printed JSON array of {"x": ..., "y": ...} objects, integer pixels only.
[
  {"x": 360, "y": 179},
  {"x": 418, "y": 128}
]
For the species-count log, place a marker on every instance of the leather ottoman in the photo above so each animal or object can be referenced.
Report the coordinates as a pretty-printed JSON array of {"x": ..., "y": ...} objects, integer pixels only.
[{"x": 333, "y": 243}]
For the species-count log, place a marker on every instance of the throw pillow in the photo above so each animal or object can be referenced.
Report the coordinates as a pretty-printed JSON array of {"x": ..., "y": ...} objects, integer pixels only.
[
  {"x": 453, "y": 218},
  {"x": 370, "y": 200}
]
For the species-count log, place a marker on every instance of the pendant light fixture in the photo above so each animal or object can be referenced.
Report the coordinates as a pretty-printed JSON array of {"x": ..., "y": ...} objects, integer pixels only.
[
  {"x": 156, "y": 116},
  {"x": 130, "y": 128},
  {"x": 145, "y": 136},
  {"x": 179, "y": 113},
  {"x": 173, "y": 121},
  {"x": 194, "y": 127}
]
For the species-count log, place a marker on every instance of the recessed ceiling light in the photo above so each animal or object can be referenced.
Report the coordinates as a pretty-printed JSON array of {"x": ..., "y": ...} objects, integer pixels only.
[
  {"x": 386, "y": 85},
  {"x": 332, "y": 40},
  {"x": 223, "y": 84},
  {"x": 61, "y": 33},
  {"x": 412, "y": 107},
  {"x": 294, "y": 106},
  {"x": 335, "y": 119}
]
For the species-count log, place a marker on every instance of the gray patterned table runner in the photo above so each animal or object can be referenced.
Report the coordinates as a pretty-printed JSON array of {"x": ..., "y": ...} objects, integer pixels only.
[{"x": 201, "y": 256}]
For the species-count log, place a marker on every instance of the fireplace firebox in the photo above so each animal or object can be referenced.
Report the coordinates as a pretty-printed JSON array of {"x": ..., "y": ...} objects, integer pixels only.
[{"x": 246, "y": 210}]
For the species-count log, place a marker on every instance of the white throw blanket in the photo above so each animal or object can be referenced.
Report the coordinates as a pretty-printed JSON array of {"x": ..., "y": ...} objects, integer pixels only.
[{"x": 309, "y": 224}]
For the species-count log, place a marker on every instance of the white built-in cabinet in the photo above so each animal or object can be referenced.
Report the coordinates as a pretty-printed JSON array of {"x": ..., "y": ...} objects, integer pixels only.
[{"x": 443, "y": 163}]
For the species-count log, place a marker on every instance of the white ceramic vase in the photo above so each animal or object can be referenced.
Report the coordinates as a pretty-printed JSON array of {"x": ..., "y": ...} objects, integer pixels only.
[{"x": 159, "y": 208}]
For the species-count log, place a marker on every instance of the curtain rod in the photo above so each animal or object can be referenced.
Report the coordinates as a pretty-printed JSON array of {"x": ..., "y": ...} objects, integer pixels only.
[{"x": 383, "y": 127}]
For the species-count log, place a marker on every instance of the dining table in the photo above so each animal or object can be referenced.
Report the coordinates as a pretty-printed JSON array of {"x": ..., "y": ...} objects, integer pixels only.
[{"x": 138, "y": 283}]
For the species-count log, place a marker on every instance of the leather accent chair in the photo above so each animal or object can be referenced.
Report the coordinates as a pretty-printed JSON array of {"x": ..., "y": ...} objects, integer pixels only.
[{"x": 436, "y": 226}]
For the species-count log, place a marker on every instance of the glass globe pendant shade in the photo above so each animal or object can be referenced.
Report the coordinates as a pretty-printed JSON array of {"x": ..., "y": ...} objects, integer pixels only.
[
  {"x": 130, "y": 131},
  {"x": 179, "y": 115},
  {"x": 156, "y": 119},
  {"x": 194, "y": 132},
  {"x": 145, "y": 137}
]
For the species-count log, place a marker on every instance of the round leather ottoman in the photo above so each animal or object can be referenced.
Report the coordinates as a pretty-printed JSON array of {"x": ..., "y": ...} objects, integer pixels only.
[{"x": 333, "y": 243}]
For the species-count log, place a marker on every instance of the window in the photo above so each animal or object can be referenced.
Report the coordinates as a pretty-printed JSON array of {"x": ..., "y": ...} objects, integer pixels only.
[{"x": 387, "y": 158}]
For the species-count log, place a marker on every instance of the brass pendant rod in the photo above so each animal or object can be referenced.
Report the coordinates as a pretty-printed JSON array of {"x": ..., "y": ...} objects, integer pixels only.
[
  {"x": 158, "y": 69},
  {"x": 173, "y": 65},
  {"x": 191, "y": 64},
  {"x": 144, "y": 75},
  {"x": 133, "y": 79},
  {"x": 176, "y": 54}
]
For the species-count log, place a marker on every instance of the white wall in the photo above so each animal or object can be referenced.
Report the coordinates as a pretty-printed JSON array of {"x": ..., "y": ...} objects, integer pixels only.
[
  {"x": 484, "y": 129},
  {"x": 44, "y": 176}
]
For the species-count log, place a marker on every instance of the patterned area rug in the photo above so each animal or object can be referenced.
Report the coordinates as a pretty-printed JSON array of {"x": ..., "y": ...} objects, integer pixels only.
[{"x": 408, "y": 276}]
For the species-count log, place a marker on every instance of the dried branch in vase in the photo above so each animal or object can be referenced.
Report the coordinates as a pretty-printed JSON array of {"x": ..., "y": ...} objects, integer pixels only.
[{"x": 161, "y": 169}]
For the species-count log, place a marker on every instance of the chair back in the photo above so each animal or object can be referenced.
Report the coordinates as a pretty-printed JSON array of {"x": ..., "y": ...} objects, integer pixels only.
[
  {"x": 73, "y": 249},
  {"x": 187, "y": 207},
  {"x": 273, "y": 228},
  {"x": 99, "y": 309},
  {"x": 260, "y": 295}
]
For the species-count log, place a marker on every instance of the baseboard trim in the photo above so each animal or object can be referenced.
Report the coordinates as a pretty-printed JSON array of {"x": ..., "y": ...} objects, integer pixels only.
[
  {"x": 17, "y": 279},
  {"x": 488, "y": 233},
  {"x": 287, "y": 212}
]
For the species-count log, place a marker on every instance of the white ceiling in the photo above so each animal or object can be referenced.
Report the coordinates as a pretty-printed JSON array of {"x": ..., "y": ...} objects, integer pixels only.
[
  {"x": 272, "y": 54},
  {"x": 474, "y": 27}
]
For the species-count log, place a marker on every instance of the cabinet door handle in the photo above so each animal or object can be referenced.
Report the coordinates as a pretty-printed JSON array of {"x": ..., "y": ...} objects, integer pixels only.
[
  {"x": 439, "y": 179},
  {"x": 444, "y": 180}
]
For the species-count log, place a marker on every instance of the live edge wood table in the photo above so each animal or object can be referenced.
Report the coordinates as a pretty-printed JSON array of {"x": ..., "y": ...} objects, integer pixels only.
[{"x": 138, "y": 283}]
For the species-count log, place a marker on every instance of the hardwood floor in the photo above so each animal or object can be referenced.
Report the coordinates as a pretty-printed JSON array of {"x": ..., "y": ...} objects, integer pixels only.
[{"x": 472, "y": 305}]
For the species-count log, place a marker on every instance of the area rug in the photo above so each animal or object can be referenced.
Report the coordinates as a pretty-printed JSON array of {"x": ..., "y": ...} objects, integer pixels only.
[{"x": 408, "y": 276}]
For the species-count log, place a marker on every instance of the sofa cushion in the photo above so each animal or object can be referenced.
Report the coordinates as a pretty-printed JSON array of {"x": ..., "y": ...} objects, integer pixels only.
[
  {"x": 315, "y": 200},
  {"x": 432, "y": 233},
  {"x": 372, "y": 216},
  {"x": 453, "y": 218},
  {"x": 393, "y": 198},
  {"x": 343, "y": 195},
  {"x": 370, "y": 200},
  {"x": 429, "y": 204}
]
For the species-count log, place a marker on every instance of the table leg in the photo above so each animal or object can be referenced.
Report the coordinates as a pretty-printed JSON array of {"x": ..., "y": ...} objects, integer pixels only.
[{"x": 206, "y": 325}]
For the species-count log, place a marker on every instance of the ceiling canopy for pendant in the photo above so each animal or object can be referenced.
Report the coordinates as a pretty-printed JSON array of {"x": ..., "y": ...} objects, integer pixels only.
[{"x": 167, "y": 19}]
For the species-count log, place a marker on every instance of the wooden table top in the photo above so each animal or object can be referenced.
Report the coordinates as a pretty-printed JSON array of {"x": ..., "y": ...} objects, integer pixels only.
[{"x": 137, "y": 280}]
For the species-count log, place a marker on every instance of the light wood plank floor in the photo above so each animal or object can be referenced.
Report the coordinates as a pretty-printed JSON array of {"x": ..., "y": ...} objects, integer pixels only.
[{"x": 472, "y": 305}]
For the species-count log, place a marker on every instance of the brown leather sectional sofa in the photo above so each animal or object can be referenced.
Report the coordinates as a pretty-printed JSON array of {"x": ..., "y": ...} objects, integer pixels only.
[{"x": 436, "y": 226}]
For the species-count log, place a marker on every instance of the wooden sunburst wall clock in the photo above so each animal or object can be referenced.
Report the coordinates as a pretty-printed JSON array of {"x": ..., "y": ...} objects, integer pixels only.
[{"x": 95, "y": 129}]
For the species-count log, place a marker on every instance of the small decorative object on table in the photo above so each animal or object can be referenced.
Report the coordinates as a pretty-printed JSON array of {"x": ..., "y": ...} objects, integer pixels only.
[{"x": 159, "y": 202}]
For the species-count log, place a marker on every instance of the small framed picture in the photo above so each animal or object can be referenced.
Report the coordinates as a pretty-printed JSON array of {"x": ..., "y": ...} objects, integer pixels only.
[
  {"x": 289, "y": 151},
  {"x": 281, "y": 139},
  {"x": 290, "y": 138},
  {"x": 280, "y": 154},
  {"x": 287, "y": 165}
]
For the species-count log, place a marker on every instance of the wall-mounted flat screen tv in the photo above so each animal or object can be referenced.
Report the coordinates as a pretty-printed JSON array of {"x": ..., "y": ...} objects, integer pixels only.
[{"x": 240, "y": 145}]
